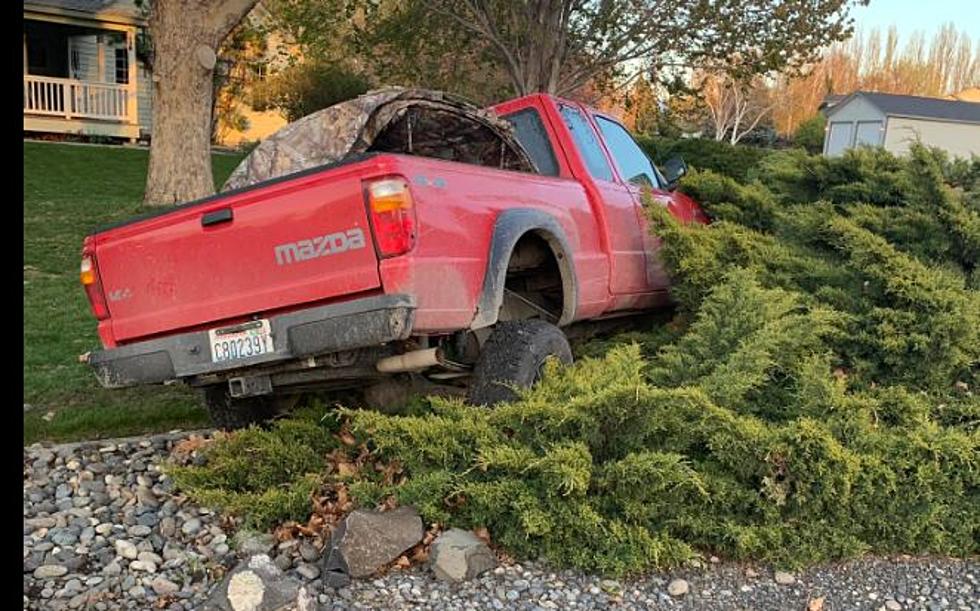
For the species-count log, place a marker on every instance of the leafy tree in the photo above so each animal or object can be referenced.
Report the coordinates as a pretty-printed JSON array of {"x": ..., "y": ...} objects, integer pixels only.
[
  {"x": 810, "y": 134},
  {"x": 557, "y": 46},
  {"x": 307, "y": 87}
]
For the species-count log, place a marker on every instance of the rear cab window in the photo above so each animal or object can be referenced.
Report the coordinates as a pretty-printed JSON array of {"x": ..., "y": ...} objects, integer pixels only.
[{"x": 531, "y": 133}]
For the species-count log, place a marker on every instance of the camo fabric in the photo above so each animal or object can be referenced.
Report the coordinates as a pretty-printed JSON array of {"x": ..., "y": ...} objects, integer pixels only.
[{"x": 395, "y": 119}]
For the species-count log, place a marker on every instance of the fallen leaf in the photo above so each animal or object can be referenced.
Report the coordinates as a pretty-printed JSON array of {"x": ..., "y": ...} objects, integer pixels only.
[
  {"x": 815, "y": 604},
  {"x": 483, "y": 534},
  {"x": 345, "y": 437},
  {"x": 403, "y": 562},
  {"x": 184, "y": 448}
]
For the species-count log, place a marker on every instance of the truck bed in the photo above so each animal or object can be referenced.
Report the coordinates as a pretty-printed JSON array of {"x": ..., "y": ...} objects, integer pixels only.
[{"x": 301, "y": 239}]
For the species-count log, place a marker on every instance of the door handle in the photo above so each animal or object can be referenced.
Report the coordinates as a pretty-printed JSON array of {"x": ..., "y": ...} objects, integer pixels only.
[{"x": 215, "y": 217}]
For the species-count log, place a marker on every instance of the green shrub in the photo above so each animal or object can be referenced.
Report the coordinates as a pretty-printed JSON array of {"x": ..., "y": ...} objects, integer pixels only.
[
  {"x": 814, "y": 399},
  {"x": 735, "y": 161},
  {"x": 262, "y": 476},
  {"x": 810, "y": 134}
]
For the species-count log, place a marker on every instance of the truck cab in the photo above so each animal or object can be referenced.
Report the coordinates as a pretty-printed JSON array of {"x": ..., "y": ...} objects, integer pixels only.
[{"x": 570, "y": 140}]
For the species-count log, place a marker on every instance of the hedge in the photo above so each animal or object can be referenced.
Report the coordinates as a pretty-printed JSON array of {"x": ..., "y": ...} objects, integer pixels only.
[
  {"x": 814, "y": 399},
  {"x": 734, "y": 161}
]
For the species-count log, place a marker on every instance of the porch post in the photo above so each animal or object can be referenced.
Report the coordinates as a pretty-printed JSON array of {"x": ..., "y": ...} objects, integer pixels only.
[{"x": 132, "y": 108}]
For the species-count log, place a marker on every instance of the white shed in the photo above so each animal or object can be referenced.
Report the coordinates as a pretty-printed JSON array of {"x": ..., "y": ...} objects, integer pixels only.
[{"x": 896, "y": 121}]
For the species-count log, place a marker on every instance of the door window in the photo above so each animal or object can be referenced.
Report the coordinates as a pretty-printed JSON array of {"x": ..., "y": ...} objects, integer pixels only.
[{"x": 634, "y": 166}]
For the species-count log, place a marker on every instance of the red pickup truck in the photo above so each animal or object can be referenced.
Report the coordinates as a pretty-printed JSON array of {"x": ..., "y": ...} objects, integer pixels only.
[{"x": 384, "y": 264}]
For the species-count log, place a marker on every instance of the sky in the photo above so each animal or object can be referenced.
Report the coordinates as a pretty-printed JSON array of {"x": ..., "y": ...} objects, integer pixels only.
[{"x": 926, "y": 15}]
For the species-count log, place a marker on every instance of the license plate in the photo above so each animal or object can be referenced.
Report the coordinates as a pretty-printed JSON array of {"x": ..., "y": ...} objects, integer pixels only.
[{"x": 242, "y": 341}]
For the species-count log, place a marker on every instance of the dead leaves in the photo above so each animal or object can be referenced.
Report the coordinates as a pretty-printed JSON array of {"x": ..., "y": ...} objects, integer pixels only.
[
  {"x": 345, "y": 436},
  {"x": 185, "y": 449},
  {"x": 815, "y": 604},
  {"x": 329, "y": 507},
  {"x": 418, "y": 554}
]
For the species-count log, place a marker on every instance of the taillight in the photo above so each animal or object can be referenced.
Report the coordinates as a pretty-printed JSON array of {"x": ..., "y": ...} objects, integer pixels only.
[
  {"x": 392, "y": 215},
  {"x": 93, "y": 283}
]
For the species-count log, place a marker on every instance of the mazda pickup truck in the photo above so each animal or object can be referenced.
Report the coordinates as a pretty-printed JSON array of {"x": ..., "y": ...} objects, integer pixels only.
[{"x": 433, "y": 242}]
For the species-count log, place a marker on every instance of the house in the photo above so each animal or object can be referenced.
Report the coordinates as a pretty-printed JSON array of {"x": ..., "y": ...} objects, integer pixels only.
[
  {"x": 275, "y": 53},
  {"x": 82, "y": 74},
  {"x": 896, "y": 121},
  {"x": 970, "y": 94}
]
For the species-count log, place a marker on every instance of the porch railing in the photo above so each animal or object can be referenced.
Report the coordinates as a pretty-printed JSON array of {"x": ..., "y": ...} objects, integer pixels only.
[{"x": 70, "y": 98}]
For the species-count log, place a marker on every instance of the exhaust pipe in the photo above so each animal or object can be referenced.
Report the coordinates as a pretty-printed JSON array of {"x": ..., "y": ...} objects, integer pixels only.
[{"x": 410, "y": 361}]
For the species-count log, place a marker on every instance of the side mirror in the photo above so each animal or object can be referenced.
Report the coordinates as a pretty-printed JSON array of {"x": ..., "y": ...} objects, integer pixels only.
[{"x": 673, "y": 169}]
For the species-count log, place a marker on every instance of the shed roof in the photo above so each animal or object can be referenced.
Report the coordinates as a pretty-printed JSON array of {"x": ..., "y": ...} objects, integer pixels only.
[{"x": 917, "y": 107}]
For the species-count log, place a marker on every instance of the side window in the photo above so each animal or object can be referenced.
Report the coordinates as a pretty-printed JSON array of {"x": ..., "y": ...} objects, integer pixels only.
[
  {"x": 588, "y": 145},
  {"x": 531, "y": 134},
  {"x": 633, "y": 163}
]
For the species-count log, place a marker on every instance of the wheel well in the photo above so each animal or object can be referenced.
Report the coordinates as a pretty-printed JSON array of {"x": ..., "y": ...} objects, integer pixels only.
[{"x": 535, "y": 285}]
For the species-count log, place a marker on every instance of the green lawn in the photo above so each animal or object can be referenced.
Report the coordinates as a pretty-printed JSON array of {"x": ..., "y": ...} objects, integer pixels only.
[{"x": 68, "y": 191}]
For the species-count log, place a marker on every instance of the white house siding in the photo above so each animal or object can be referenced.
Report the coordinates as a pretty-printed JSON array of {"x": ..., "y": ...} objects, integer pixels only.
[
  {"x": 144, "y": 89},
  {"x": 959, "y": 139}
]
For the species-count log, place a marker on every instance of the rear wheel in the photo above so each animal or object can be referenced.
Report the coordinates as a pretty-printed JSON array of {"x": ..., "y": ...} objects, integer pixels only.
[
  {"x": 514, "y": 356},
  {"x": 230, "y": 413}
]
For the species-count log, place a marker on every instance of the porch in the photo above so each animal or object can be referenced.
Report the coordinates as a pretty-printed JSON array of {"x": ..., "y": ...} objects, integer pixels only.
[{"x": 80, "y": 76}]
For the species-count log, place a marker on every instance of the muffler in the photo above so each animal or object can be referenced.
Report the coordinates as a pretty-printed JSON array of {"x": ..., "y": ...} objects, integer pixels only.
[{"x": 415, "y": 360}]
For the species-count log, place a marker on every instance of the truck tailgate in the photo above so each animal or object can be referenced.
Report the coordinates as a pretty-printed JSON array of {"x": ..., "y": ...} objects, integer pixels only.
[{"x": 274, "y": 246}]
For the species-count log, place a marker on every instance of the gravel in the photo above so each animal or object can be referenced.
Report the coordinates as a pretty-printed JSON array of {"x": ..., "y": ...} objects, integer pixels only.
[{"x": 103, "y": 531}]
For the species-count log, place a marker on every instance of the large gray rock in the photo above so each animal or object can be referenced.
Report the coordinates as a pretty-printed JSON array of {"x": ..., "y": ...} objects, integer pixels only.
[
  {"x": 257, "y": 584},
  {"x": 367, "y": 540},
  {"x": 458, "y": 555}
]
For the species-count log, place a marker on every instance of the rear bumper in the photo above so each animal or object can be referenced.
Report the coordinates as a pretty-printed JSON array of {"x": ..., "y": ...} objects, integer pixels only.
[{"x": 361, "y": 323}]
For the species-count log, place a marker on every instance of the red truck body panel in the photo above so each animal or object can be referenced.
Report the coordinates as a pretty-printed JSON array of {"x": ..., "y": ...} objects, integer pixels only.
[{"x": 280, "y": 249}]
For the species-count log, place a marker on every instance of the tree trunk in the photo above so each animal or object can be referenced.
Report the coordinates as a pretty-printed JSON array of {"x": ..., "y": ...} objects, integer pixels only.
[{"x": 186, "y": 34}]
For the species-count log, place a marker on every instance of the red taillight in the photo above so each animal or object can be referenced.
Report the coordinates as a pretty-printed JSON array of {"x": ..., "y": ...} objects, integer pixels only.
[
  {"x": 392, "y": 212},
  {"x": 93, "y": 283}
]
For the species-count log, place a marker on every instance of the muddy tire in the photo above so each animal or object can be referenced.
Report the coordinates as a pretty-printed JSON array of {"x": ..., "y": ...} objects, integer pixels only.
[
  {"x": 229, "y": 413},
  {"x": 513, "y": 356}
]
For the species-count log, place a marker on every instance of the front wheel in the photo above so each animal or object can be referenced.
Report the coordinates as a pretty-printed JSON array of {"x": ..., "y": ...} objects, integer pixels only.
[{"x": 514, "y": 356}]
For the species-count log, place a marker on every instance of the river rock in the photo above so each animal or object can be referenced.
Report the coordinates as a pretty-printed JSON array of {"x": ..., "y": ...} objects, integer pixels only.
[
  {"x": 367, "y": 540},
  {"x": 458, "y": 555}
]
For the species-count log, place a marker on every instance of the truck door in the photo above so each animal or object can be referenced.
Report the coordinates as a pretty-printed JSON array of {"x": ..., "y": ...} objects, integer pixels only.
[
  {"x": 638, "y": 173},
  {"x": 628, "y": 263}
]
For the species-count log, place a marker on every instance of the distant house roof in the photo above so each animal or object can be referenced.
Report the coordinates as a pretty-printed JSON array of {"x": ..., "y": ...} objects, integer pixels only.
[
  {"x": 971, "y": 94},
  {"x": 120, "y": 11},
  {"x": 917, "y": 107}
]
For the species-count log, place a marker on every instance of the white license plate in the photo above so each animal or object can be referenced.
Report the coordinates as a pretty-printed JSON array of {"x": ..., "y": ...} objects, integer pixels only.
[{"x": 242, "y": 341}]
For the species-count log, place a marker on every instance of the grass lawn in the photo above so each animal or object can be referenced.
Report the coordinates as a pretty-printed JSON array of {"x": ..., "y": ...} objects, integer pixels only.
[{"x": 68, "y": 191}]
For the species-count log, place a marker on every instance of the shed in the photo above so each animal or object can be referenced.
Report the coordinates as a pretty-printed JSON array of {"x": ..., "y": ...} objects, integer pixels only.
[{"x": 896, "y": 121}]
